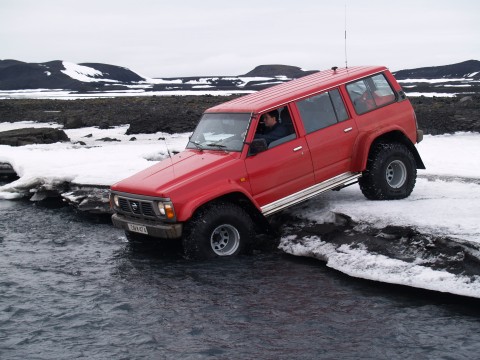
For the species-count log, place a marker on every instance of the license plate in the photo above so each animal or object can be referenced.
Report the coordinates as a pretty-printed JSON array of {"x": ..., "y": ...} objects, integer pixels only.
[{"x": 138, "y": 229}]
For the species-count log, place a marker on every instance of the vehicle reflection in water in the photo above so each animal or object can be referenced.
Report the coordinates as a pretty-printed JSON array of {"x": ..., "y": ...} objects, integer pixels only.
[{"x": 73, "y": 287}]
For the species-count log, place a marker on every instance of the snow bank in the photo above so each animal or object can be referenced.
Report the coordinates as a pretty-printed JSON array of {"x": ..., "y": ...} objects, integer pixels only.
[
  {"x": 95, "y": 163},
  {"x": 360, "y": 263}
]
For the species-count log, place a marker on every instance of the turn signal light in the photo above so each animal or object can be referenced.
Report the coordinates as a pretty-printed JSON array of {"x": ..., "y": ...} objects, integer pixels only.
[{"x": 169, "y": 213}]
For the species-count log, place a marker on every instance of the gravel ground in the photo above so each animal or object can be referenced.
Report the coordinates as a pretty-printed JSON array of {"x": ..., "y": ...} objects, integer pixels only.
[{"x": 174, "y": 114}]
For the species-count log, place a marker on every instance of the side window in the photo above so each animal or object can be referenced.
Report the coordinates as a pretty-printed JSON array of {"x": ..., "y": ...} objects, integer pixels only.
[
  {"x": 382, "y": 93},
  {"x": 321, "y": 111},
  {"x": 369, "y": 93},
  {"x": 276, "y": 127}
]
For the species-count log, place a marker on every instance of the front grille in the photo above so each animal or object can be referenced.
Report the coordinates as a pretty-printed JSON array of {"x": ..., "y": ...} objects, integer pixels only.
[
  {"x": 137, "y": 207},
  {"x": 147, "y": 209},
  {"x": 124, "y": 204}
]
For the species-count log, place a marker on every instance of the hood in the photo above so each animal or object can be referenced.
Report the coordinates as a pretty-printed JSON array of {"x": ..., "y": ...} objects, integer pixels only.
[{"x": 170, "y": 174}]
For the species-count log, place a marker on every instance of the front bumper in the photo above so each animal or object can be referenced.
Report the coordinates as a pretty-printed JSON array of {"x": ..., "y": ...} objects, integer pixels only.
[{"x": 157, "y": 230}]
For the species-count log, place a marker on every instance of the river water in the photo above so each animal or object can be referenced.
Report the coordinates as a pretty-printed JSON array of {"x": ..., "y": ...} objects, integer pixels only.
[{"x": 72, "y": 287}]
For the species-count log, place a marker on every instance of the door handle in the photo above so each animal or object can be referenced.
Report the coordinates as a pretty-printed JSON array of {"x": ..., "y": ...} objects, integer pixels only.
[
  {"x": 298, "y": 148},
  {"x": 347, "y": 129}
]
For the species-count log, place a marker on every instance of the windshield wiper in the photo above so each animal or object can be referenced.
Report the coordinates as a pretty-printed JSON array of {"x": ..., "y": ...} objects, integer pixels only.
[
  {"x": 197, "y": 145},
  {"x": 216, "y": 145}
]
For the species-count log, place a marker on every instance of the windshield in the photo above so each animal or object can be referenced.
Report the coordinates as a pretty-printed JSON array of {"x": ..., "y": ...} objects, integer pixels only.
[{"x": 220, "y": 132}]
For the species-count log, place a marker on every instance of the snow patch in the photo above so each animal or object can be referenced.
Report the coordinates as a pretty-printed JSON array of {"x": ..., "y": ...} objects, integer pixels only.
[
  {"x": 414, "y": 94},
  {"x": 72, "y": 95},
  {"x": 433, "y": 81},
  {"x": 83, "y": 73}
]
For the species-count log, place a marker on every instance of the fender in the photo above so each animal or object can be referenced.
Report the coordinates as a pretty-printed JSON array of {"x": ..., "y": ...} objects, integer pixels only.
[
  {"x": 214, "y": 191},
  {"x": 365, "y": 141}
]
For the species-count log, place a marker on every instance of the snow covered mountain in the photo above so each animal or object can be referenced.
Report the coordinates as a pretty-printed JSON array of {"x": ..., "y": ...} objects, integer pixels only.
[
  {"x": 16, "y": 75},
  {"x": 461, "y": 78},
  {"x": 93, "y": 79}
]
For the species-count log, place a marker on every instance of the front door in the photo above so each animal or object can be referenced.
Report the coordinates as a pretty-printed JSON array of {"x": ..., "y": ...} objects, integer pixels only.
[{"x": 281, "y": 170}]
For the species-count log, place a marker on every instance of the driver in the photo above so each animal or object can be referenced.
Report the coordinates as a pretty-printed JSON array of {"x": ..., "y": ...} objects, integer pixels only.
[{"x": 273, "y": 129}]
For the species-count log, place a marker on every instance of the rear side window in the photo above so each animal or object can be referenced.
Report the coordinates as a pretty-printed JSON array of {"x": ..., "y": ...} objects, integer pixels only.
[
  {"x": 321, "y": 111},
  {"x": 338, "y": 105},
  {"x": 370, "y": 93}
]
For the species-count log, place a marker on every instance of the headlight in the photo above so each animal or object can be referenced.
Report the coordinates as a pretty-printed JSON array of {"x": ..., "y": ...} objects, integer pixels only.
[
  {"x": 166, "y": 209},
  {"x": 115, "y": 201},
  {"x": 161, "y": 208}
]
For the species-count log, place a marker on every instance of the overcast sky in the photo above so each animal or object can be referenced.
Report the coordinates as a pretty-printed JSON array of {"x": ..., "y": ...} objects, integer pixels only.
[{"x": 158, "y": 38}]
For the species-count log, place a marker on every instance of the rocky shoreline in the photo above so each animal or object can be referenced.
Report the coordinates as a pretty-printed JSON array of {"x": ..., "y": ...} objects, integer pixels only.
[
  {"x": 178, "y": 114},
  {"x": 170, "y": 114},
  {"x": 448, "y": 115}
]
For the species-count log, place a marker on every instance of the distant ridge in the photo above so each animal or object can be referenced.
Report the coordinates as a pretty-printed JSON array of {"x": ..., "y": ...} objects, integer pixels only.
[
  {"x": 57, "y": 74},
  {"x": 465, "y": 69},
  {"x": 114, "y": 72},
  {"x": 291, "y": 72},
  {"x": 91, "y": 79}
]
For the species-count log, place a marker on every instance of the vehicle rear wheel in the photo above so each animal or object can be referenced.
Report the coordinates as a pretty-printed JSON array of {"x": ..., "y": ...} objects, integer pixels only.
[
  {"x": 220, "y": 229},
  {"x": 391, "y": 172}
]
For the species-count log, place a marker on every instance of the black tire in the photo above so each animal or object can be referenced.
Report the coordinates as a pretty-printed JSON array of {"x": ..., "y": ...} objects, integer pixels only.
[
  {"x": 391, "y": 172},
  {"x": 219, "y": 229}
]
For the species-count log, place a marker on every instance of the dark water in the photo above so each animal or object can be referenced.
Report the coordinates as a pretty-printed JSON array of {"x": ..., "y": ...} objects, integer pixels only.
[{"x": 72, "y": 287}]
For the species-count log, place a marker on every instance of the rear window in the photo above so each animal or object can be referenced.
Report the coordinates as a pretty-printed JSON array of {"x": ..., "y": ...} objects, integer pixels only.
[
  {"x": 370, "y": 93},
  {"x": 322, "y": 110}
]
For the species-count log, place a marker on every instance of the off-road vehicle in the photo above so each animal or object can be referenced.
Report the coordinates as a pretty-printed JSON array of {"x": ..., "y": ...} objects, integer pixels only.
[{"x": 343, "y": 126}]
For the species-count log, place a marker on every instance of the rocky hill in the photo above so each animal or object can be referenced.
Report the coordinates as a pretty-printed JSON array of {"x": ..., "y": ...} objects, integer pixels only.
[
  {"x": 291, "y": 72},
  {"x": 467, "y": 69},
  {"x": 461, "y": 78},
  {"x": 17, "y": 75}
]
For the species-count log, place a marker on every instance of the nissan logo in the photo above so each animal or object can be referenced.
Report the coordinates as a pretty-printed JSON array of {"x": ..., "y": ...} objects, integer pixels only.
[{"x": 134, "y": 206}]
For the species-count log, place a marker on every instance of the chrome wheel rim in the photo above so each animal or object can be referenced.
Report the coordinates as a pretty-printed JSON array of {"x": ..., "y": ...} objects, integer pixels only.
[
  {"x": 396, "y": 174},
  {"x": 225, "y": 240}
]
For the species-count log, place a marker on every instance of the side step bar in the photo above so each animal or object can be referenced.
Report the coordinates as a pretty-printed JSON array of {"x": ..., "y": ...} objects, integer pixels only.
[{"x": 341, "y": 180}]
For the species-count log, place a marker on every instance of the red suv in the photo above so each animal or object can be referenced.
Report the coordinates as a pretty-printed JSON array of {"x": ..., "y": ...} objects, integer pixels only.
[{"x": 258, "y": 154}]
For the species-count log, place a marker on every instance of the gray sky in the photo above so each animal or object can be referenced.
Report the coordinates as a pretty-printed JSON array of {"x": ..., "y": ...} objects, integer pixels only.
[{"x": 158, "y": 38}]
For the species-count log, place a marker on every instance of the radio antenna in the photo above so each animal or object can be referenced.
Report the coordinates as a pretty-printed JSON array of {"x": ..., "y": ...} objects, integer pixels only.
[
  {"x": 166, "y": 146},
  {"x": 169, "y": 154},
  {"x": 346, "y": 63}
]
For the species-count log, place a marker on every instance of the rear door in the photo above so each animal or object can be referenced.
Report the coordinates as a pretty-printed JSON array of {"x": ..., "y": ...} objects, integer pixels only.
[{"x": 330, "y": 133}]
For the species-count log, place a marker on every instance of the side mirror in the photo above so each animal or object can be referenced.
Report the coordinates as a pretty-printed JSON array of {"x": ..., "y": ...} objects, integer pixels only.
[{"x": 258, "y": 146}]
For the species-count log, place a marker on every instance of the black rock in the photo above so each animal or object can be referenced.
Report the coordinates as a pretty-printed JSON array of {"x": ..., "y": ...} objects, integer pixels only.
[
  {"x": 73, "y": 123},
  {"x": 27, "y": 136},
  {"x": 107, "y": 139}
]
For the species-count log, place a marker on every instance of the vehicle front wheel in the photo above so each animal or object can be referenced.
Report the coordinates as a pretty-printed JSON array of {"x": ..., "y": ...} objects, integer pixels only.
[
  {"x": 391, "y": 172},
  {"x": 219, "y": 229}
]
